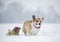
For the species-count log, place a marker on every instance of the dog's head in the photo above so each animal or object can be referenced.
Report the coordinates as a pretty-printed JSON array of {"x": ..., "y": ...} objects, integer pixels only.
[{"x": 37, "y": 21}]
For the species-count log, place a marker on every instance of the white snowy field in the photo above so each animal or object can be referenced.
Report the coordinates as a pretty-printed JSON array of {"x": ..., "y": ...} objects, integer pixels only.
[{"x": 48, "y": 33}]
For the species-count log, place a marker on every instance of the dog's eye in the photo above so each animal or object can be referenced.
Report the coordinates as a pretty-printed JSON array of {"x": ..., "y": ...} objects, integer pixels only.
[{"x": 36, "y": 23}]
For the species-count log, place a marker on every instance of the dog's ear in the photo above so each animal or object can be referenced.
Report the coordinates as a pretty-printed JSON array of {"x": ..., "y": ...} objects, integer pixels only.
[
  {"x": 33, "y": 17},
  {"x": 42, "y": 18}
]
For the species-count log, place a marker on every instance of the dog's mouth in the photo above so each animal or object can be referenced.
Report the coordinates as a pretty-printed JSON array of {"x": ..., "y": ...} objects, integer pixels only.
[{"x": 36, "y": 26}]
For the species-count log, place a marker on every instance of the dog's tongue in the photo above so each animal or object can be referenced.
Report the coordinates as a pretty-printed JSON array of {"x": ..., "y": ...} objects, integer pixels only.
[{"x": 37, "y": 27}]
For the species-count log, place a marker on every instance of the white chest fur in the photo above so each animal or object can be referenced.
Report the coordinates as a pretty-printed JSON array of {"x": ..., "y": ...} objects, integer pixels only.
[{"x": 34, "y": 30}]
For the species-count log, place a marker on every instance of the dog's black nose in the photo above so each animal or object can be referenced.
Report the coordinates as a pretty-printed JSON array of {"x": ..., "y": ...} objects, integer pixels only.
[{"x": 39, "y": 23}]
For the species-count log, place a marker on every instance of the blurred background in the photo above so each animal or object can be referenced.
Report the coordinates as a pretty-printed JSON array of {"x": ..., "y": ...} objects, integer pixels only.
[{"x": 17, "y": 11}]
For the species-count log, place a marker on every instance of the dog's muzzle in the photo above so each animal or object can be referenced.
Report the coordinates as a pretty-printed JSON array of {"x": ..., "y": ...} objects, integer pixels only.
[{"x": 37, "y": 26}]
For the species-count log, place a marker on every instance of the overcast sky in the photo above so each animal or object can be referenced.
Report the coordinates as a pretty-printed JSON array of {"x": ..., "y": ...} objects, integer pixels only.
[{"x": 20, "y": 10}]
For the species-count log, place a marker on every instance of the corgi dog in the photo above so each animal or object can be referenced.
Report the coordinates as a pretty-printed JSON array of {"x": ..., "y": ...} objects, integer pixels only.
[
  {"x": 32, "y": 27},
  {"x": 15, "y": 31}
]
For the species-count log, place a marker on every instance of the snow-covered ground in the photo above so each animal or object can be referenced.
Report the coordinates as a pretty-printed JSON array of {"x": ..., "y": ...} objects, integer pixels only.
[{"x": 48, "y": 33}]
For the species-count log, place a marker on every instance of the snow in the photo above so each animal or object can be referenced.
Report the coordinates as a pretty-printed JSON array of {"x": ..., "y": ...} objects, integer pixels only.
[{"x": 47, "y": 33}]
